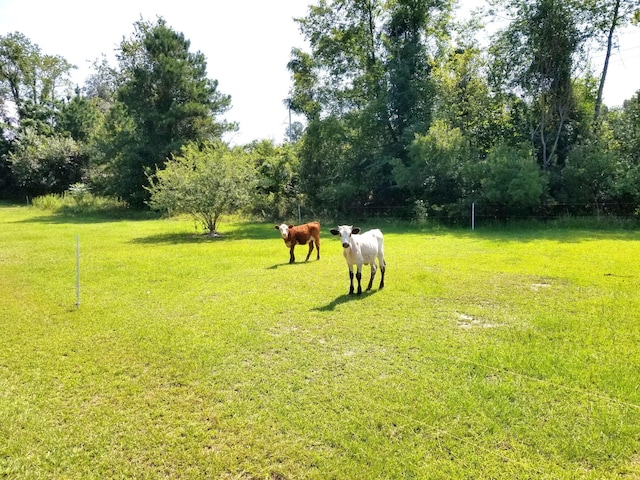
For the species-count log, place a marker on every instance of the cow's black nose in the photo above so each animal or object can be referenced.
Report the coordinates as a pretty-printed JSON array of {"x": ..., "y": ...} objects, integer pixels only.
[{"x": 345, "y": 245}]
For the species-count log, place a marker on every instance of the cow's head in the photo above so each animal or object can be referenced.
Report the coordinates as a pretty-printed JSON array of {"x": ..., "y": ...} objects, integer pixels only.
[
  {"x": 345, "y": 231},
  {"x": 284, "y": 230}
]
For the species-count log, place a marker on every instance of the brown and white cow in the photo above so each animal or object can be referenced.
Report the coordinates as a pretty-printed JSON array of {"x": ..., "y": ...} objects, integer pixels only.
[{"x": 306, "y": 234}]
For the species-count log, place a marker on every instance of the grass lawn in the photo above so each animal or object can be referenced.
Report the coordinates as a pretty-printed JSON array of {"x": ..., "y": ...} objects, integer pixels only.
[{"x": 497, "y": 353}]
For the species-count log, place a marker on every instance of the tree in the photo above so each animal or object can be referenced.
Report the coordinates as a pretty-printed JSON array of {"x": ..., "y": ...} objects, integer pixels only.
[
  {"x": 31, "y": 88},
  {"x": 465, "y": 101},
  {"x": 32, "y": 81},
  {"x": 6, "y": 178},
  {"x": 601, "y": 19},
  {"x": 324, "y": 161},
  {"x": 43, "y": 164},
  {"x": 116, "y": 167},
  {"x": 589, "y": 175},
  {"x": 102, "y": 84},
  {"x": 205, "y": 182},
  {"x": 626, "y": 125},
  {"x": 410, "y": 92},
  {"x": 79, "y": 117},
  {"x": 339, "y": 87},
  {"x": 435, "y": 174},
  {"x": 533, "y": 58},
  {"x": 368, "y": 78},
  {"x": 171, "y": 102},
  {"x": 277, "y": 192},
  {"x": 625, "y": 132}
]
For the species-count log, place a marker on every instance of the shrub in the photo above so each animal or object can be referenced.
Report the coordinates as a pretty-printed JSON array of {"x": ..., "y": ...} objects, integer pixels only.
[
  {"x": 512, "y": 181},
  {"x": 73, "y": 202},
  {"x": 205, "y": 182}
]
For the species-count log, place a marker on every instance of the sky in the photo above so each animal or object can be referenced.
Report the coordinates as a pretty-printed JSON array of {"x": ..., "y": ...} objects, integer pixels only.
[{"x": 247, "y": 44}]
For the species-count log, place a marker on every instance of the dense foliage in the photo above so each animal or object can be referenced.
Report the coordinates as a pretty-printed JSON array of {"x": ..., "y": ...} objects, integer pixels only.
[
  {"x": 406, "y": 113},
  {"x": 402, "y": 116}
]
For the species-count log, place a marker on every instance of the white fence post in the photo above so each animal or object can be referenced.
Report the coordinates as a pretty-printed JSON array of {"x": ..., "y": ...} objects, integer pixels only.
[
  {"x": 77, "y": 270},
  {"x": 473, "y": 216}
]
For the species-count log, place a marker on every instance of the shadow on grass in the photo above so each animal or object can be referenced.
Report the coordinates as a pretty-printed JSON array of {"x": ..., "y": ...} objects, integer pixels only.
[
  {"x": 174, "y": 239},
  {"x": 523, "y": 232},
  {"x": 275, "y": 266},
  {"x": 278, "y": 265},
  {"x": 249, "y": 231},
  {"x": 346, "y": 298},
  {"x": 86, "y": 219}
]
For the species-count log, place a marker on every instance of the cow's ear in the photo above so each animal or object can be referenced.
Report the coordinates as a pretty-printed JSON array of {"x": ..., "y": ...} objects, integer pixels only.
[
  {"x": 290, "y": 226},
  {"x": 334, "y": 231},
  {"x": 355, "y": 230},
  {"x": 277, "y": 227}
]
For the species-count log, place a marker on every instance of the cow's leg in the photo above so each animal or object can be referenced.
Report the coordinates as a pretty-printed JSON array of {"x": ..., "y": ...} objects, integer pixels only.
[
  {"x": 359, "y": 278},
  {"x": 310, "y": 250},
  {"x": 292, "y": 258},
  {"x": 318, "y": 248},
  {"x": 350, "y": 280},
  {"x": 373, "y": 274},
  {"x": 383, "y": 267}
]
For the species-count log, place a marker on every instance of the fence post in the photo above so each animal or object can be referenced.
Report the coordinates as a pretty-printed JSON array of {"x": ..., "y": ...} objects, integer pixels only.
[
  {"x": 77, "y": 270},
  {"x": 473, "y": 216}
]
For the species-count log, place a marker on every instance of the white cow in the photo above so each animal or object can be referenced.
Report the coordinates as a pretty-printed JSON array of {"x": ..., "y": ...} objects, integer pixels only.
[{"x": 361, "y": 249}]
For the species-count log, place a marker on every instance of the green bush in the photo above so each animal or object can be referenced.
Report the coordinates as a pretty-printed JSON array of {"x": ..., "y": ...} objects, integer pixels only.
[
  {"x": 73, "y": 202},
  {"x": 204, "y": 181},
  {"x": 512, "y": 181}
]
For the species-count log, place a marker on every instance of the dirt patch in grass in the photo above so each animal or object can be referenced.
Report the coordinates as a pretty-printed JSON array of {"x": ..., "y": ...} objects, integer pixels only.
[{"x": 467, "y": 322}]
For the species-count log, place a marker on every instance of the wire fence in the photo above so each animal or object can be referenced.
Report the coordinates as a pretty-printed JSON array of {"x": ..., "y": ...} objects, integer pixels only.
[
  {"x": 479, "y": 214},
  {"x": 556, "y": 211}
]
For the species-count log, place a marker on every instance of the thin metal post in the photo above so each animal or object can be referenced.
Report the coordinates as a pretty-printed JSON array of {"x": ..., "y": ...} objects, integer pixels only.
[
  {"x": 77, "y": 270},
  {"x": 473, "y": 216}
]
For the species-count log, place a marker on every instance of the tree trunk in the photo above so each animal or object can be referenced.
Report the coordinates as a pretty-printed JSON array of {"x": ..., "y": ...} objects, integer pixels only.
[{"x": 614, "y": 24}]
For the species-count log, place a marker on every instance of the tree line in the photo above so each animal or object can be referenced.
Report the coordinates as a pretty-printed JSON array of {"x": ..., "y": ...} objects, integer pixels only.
[{"x": 405, "y": 111}]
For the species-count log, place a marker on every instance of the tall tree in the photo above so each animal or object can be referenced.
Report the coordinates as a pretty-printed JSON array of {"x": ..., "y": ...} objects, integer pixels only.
[
  {"x": 276, "y": 195},
  {"x": 79, "y": 117},
  {"x": 533, "y": 58},
  {"x": 32, "y": 88},
  {"x": 411, "y": 89},
  {"x": 166, "y": 93},
  {"x": 625, "y": 125},
  {"x": 603, "y": 18},
  {"x": 368, "y": 77},
  {"x": 32, "y": 81},
  {"x": 464, "y": 98},
  {"x": 339, "y": 86}
]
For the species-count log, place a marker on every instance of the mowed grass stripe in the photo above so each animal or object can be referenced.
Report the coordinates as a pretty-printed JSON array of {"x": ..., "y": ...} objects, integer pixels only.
[{"x": 489, "y": 354}]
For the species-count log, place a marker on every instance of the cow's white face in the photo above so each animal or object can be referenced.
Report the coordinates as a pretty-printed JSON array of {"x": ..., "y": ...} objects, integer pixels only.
[
  {"x": 345, "y": 232},
  {"x": 284, "y": 230}
]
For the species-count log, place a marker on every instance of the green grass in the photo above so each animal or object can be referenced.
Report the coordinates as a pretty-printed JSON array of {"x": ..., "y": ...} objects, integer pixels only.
[{"x": 489, "y": 354}]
